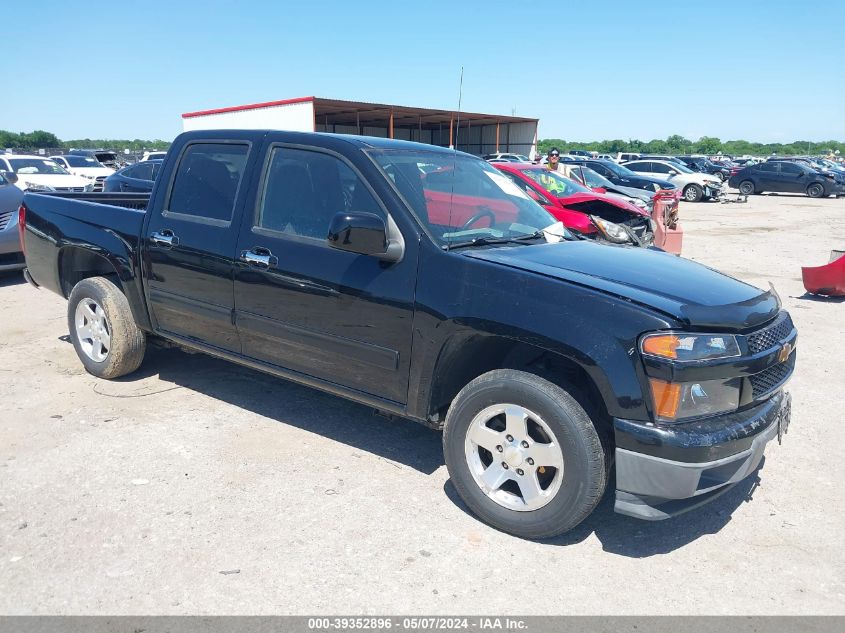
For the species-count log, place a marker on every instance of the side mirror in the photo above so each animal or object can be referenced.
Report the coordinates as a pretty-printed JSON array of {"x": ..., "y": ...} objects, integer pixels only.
[
  {"x": 11, "y": 176},
  {"x": 358, "y": 232},
  {"x": 599, "y": 189}
]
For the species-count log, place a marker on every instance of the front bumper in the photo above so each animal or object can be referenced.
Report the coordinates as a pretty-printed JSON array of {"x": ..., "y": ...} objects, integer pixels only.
[
  {"x": 713, "y": 191},
  {"x": 664, "y": 471}
]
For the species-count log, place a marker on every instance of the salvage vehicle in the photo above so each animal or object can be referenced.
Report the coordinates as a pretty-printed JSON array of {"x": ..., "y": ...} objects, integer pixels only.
[
  {"x": 662, "y": 206},
  {"x": 103, "y": 156},
  {"x": 11, "y": 257},
  {"x": 331, "y": 261},
  {"x": 598, "y": 183},
  {"x": 36, "y": 173},
  {"x": 134, "y": 178},
  {"x": 784, "y": 177},
  {"x": 693, "y": 185},
  {"x": 583, "y": 211},
  {"x": 622, "y": 176},
  {"x": 86, "y": 167}
]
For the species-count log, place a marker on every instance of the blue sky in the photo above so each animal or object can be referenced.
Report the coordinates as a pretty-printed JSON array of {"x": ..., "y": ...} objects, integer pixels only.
[{"x": 762, "y": 70}]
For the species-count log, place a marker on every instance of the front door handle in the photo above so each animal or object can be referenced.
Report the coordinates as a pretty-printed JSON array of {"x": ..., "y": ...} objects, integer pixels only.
[
  {"x": 164, "y": 238},
  {"x": 259, "y": 257}
]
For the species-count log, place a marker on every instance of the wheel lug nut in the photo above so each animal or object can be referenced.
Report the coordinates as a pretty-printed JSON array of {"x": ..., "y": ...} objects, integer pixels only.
[
  {"x": 524, "y": 444},
  {"x": 509, "y": 438},
  {"x": 499, "y": 448},
  {"x": 530, "y": 461},
  {"x": 519, "y": 471},
  {"x": 505, "y": 465}
]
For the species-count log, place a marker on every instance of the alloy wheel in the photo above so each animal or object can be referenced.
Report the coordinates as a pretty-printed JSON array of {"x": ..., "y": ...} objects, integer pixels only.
[{"x": 514, "y": 457}]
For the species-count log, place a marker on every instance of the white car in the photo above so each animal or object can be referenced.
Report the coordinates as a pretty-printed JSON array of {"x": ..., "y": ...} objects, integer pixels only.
[
  {"x": 86, "y": 167},
  {"x": 694, "y": 185},
  {"x": 36, "y": 173},
  {"x": 152, "y": 156}
]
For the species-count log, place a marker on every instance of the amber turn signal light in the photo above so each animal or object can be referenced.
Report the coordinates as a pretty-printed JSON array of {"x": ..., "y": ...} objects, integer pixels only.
[
  {"x": 666, "y": 397},
  {"x": 663, "y": 345}
]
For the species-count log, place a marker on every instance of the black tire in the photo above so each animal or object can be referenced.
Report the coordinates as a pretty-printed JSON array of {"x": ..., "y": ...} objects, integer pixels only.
[
  {"x": 815, "y": 190},
  {"x": 585, "y": 466},
  {"x": 693, "y": 193},
  {"x": 746, "y": 188},
  {"x": 127, "y": 343}
]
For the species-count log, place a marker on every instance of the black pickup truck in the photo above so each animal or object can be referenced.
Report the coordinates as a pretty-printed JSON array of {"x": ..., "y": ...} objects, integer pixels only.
[{"x": 545, "y": 359}]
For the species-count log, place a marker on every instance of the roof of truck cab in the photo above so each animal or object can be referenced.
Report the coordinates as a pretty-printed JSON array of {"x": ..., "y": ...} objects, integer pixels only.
[{"x": 364, "y": 142}]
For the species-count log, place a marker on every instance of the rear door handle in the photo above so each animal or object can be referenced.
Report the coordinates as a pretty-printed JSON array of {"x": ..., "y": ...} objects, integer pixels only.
[
  {"x": 259, "y": 257},
  {"x": 164, "y": 238}
]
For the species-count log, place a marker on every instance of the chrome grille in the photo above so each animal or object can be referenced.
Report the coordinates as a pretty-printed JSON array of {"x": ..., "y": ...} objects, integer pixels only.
[
  {"x": 98, "y": 183},
  {"x": 770, "y": 336},
  {"x": 71, "y": 189},
  {"x": 4, "y": 219},
  {"x": 767, "y": 381}
]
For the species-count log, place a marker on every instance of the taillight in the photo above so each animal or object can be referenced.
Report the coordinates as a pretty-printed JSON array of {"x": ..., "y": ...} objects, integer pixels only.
[{"x": 22, "y": 227}]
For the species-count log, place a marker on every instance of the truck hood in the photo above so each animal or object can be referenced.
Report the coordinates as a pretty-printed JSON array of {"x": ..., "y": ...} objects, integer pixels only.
[{"x": 699, "y": 297}]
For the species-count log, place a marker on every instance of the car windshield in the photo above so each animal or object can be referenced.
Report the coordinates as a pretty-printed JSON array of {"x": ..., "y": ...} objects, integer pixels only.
[
  {"x": 680, "y": 167},
  {"x": 594, "y": 179},
  {"x": 554, "y": 183},
  {"x": 463, "y": 199},
  {"x": 619, "y": 170},
  {"x": 81, "y": 161},
  {"x": 36, "y": 166}
]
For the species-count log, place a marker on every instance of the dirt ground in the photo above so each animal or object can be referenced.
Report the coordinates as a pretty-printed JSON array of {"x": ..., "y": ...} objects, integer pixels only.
[{"x": 196, "y": 486}]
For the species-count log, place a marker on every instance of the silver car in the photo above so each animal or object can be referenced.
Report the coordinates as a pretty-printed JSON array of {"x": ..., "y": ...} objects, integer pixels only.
[{"x": 11, "y": 257}]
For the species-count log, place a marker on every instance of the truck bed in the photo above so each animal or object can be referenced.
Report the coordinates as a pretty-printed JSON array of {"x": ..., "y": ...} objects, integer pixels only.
[
  {"x": 136, "y": 201},
  {"x": 107, "y": 224}
]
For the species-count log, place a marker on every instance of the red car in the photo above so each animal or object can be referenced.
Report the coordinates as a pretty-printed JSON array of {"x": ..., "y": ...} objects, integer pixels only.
[{"x": 582, "y": 210}]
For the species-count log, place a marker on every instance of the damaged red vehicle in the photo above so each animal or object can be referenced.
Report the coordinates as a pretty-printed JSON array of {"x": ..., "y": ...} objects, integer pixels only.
[
  {"x": 583, "y": 211},
  {"x": 827, "y": 280}
]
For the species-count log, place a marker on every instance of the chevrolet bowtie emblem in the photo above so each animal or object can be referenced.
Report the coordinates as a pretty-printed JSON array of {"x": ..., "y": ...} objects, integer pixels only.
[{"x": 785, "y": 352}]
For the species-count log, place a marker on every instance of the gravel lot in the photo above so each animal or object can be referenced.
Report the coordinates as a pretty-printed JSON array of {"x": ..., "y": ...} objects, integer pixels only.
[{"x": 196, "y": 486}]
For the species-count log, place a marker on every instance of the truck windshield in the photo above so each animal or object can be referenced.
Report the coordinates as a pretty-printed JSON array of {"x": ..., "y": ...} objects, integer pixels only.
[
  {"x": 81, "y": 161},
  {"x": 35, "y": 166},
  {"x": 460, "y": 198}
]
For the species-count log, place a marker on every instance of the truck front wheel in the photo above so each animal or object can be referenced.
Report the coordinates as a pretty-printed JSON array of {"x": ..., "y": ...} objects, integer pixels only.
[
  {"x": 523, "y": 454},
  {"x": 102, "y": 329}
]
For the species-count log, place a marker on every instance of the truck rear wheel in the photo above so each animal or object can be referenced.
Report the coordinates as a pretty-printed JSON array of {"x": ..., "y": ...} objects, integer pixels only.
[
  {"x": 104, "y": 334},
  {"x": 523, "y": 454}
]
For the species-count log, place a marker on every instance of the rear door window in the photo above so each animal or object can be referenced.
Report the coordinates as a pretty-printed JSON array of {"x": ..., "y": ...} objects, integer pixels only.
[{"x": 207, "y": 180}]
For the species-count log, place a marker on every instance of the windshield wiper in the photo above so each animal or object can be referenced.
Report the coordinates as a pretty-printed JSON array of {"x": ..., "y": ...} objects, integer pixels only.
[{"x": 488, "y": 241}]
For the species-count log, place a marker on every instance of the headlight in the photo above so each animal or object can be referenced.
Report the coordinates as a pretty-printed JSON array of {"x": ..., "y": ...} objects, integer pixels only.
[
  {"x": 34, "y": 186},
  {"x": 675, "y": 401},
  {"x": 680, "y": 346},
  {"x": 611, "y": 231}
]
